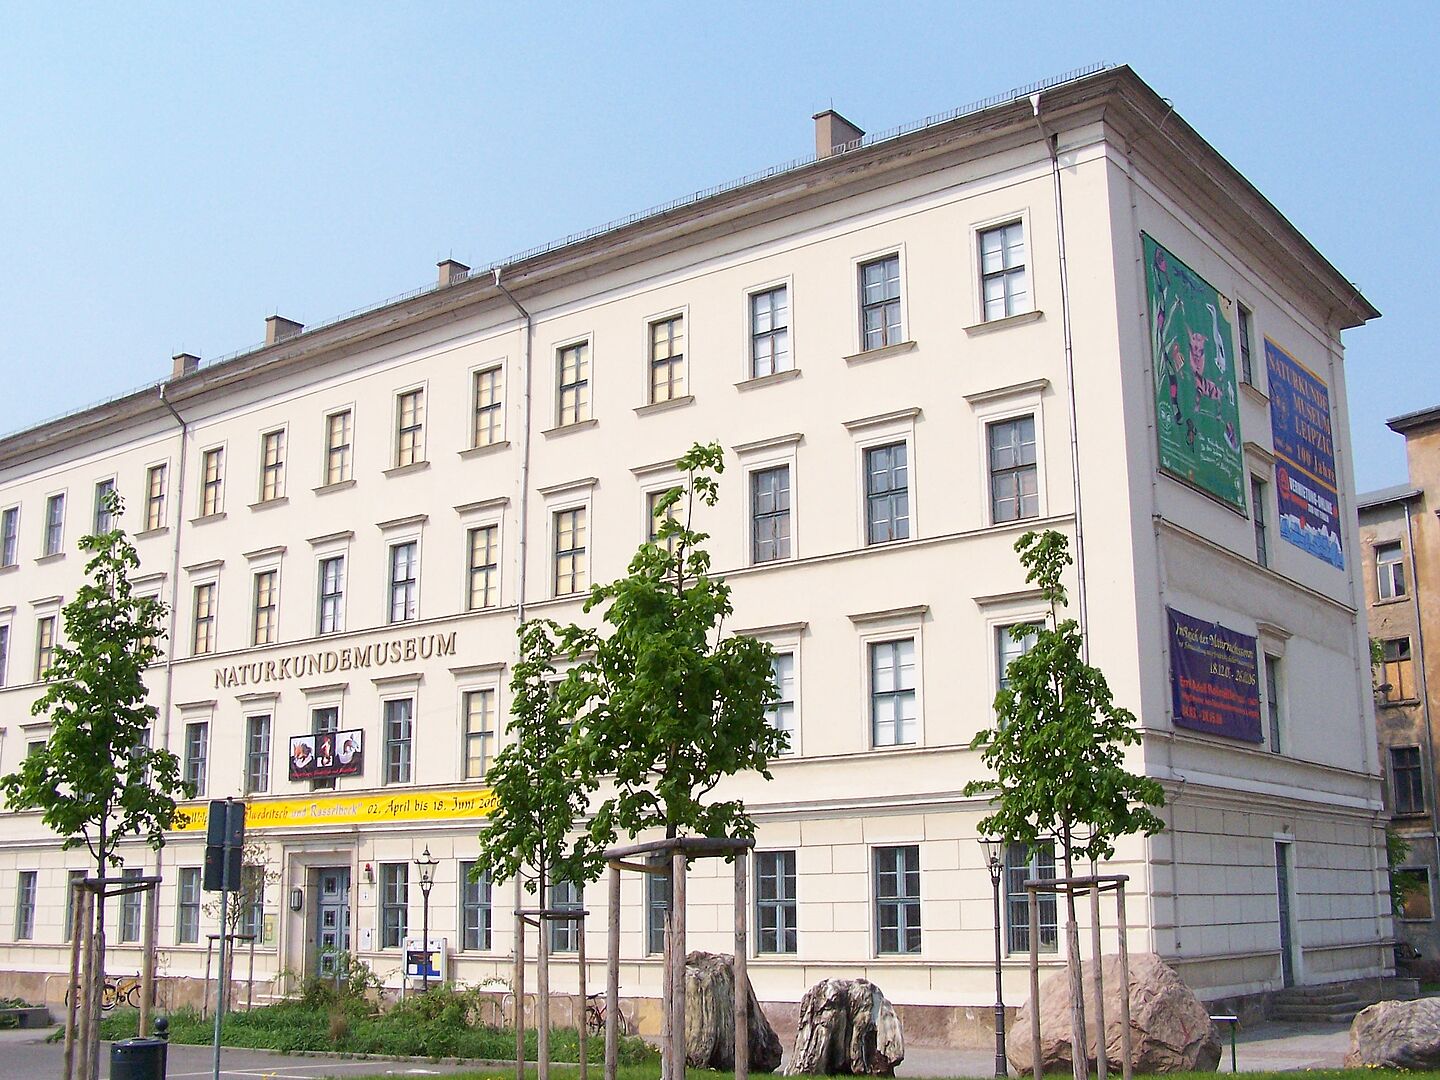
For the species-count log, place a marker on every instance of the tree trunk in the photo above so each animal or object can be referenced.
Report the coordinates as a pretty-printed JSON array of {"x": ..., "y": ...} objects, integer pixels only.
[
  {"x": 99, "y": 976},
  {"x": 1080, "y": 1046}
]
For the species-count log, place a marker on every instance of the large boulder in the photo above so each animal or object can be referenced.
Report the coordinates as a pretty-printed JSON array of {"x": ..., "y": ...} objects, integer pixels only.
[
  {"x": 1396, "y": 1035},
  {"x": 847, "y": 1026},
  {"x": 1170, "y": 1030},
  {"x": 710, "y": 1018}
]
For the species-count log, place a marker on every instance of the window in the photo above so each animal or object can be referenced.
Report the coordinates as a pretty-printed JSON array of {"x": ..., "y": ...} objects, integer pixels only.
[
  {"x": 1008, "y": 649},
  {"x": 44, "y": 645},
  {"x": 654, "y": 518},
  {"x": 272, "y": 465},
  {"x": 251, "y": 920},
  {"x": 71, "y": 877},
  {"x": 880, "y": 303},
  {"x": 9, "y": 536},
  {"x": 489, "y": 407},
  {"x": 775, "y": 906},
  {"x": 770, "y": 514},
  {"x": 484, "y": 567},
  {"x": 479, "y": 732},
  {"x": 781, "y": 715},
  {"x": 1389, "y": 571},
  {"x": 212, "y": 474},
  {"x": 104, "y": 520},
  {"x": 892, "y": 692},
  {"x": 410, "y": 428},
  {"x": 54, "y": 524},
  {"x": 324, "y": 721},
  {"x": 1247, "y": 366},
  {"x": 257, "y": 754},
  {"x": 571, "y": 573},
  {"x": 574, "y": 395},
  {"x": 667, "y": 359},
  {"x": 187, "y": 917},
  {"x": 130, "y": 907},
  {"x": 337, "y": 447},
  {"x": 1024, "y": 864},
  {"x": 197, "y": 752},
  {"x": 4, "y": 652},
  {"x": 155, "y": 496},
  {"x": 1014, "y": 481},
  {"x": 394, "y": 904},
  {"x": 267, "y": 608},
  {"x": 1397, "y": 671},
  {"x": 332, "y": 594},
  {"x": 1257, "y": 510},
  {"x": 404, "y": 582},
  {"x": 475, "y": 915},
  {"x": 1272, "y": 700},
  {"x": 565, "y": 935},
  {"x": 202, "y": 638},
  {"x": 1004, "y": 281},
  {"x": 1407, "y": 780},
  {"x": 657, "y": 905},
  {"x": 399, "y": 735},
  {"x": 897, "y": 899},
  {"x": 770, "y": 332},
  {"x": 25, "y": 906},
  {"x": 887, "y": 494},
  {"x": 1416, "y": 901}
]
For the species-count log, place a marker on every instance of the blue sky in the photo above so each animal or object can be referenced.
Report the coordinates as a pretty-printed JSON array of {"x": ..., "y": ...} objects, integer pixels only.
[{"x": 174, "y": 173}]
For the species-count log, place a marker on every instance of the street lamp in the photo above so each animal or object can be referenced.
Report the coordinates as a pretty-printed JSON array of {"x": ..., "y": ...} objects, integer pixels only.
[
  {"x": 995, "y": 863},
  {"x": 427, "y": 864}
]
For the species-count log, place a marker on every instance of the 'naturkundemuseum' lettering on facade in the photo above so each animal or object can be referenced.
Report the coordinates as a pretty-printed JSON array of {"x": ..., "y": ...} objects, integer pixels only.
[{"x": 350, "y": 658}]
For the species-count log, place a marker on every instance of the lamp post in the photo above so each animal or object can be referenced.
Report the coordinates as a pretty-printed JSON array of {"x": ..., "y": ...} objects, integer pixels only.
[
  {"x": 427, "y": 864},
  {"x": 996, "y": 865}
]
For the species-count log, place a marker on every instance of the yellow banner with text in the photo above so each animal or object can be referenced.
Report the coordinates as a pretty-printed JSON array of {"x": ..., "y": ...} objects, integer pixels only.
[{"x": 321, "y": 810}]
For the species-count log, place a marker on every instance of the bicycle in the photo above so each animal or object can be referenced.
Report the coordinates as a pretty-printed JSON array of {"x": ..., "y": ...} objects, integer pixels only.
[
  {"x": 595, "y": 1013},
  {"x": 113, "y": 991}
]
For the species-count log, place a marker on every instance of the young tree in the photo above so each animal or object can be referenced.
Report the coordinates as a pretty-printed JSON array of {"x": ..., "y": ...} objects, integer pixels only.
[{"x": 257, "y": 874}]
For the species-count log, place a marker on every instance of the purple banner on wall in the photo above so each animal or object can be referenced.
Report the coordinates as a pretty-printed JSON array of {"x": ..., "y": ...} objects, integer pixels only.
[
  {"x": 1214, "y": 678},
  {"x": 1304, "y": 456}
]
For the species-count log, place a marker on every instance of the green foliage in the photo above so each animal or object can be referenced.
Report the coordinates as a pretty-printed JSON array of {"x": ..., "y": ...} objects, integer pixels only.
[
  {"x": 1402, "y": 882},
  {"x": 96, "y": 780},
  {"x": 1057, "y": 746}
]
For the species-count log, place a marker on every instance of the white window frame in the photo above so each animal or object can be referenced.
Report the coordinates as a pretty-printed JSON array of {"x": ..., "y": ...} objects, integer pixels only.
[
  {"x": 573, "y": 495},
  {"x": 1270, "y": 641},
  {"x": 200, "y": 514},
  {"x": 588, "y": 340},
  {"x": 480, "y": 515},
  {"x": 284, "y": 480},
  {"x": 18, "y": 520},
  {"x": 647, "y": 399},
  {"x": 757, "y": 457},
  {"x": 470, "y": 680},
  {"x": 1000, "y": 612},
  {"x": 877, "y": 628},
  {"x": 868, "y": 433},
  {"x": 333, "y": 545},
  {"x": 330, "y": 696},
  {"x": 396, "y": 533},
  {"x": 977, "y": 278},
  {"x": 472, "y": 376},
  {"x": 1402, "y": 561},
  {"x": 165, "y": 500},
  {"x": 49, "y": 608},
  {"x": 7, "y": 625},
  {"x": 114, "y": 483},
  {"x": 406, "y": 688},
  {"x": 873, "y": 905},
  {"x": 788, "y": 638},
  {"x": 423, "y": 452},
  {"x": 199, "y": 714},
  {"x": 255, "y": 707},
  {"x": 211, "y": 576},
  {"x": 857, "y": 294},
  {"x": 263, "y": 562},
  {"x": 1258, "y": 370},
  {"x": 996, "y": 407},
  {"x": 747, "y": 372},
  {"x": 45, "y": 552},
  {"x": 326, "y": 483}
]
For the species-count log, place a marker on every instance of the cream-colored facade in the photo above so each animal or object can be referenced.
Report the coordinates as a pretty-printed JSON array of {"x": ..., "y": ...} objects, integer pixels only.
[{"x": 937, "y": 377}]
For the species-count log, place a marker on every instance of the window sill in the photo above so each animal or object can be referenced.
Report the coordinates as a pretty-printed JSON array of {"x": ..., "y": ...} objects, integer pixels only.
[
  {"x": 768, "y": 380},
  {"x": 881, "y": 353},
  {"x": 266, "y": 504},
  {"x": 339, "y": 485},
  {"x": 569, "y": 429},
  {"x": 1391, "y": 600},
  {"x": 405, "y": 470},
  {"x": 665, "y": 406},
  {"x": 1398, "y": 703},
  {"x": 205, "y": 519},
  {"x": 488, "y": 448},
  {"x": 9, "y": 568},
  {"x": 1255, "y": 393},
  {"x": 1021, "y": 319},
  {"x": 145, "y": 534},
  {"x": 43, "y": 559}
]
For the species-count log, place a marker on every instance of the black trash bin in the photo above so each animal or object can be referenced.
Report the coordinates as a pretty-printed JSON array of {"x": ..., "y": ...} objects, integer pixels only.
[{"x": 138, "y": 1059}]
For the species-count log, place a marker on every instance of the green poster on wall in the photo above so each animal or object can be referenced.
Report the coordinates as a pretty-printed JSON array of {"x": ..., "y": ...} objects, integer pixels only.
[{"x": 1197, "y": 417}]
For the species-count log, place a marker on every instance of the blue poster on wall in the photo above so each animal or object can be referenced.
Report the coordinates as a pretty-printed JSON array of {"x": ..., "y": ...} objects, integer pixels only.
[
  {"x": 1214, "y": 678},
  {"x": 1304, "y": 457}
]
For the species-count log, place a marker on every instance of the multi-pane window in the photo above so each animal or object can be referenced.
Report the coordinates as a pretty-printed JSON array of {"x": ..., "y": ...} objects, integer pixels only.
[
  {"x": 1389, "y": 571},
  {"x": 202, "y": 637},
  {"x": 257, "y": 753},
  {"x": 657, "y": 905},
  {"x": 332, "y": 594},
  {"x": 573, "y": 400},
  {"x": 655, "y": 517},
  {"x": 484, "y": 548},
  {"x": 781, "y": 715},
  {"x": 1004, "y": 281},
  {"x": 71, "y": 878},
  {"x": 197, "y": 753},
  {"x": 1272, "y": 700},
  {"x": 272, "y": 465},
  {"x": 770, "y": 514},
  {"x": 1008, "y": 649},
  {"x": 338, "y": 438},
  {"x": 212, "y": 473},
  {"x": 1024, "y": 864},
  {"x": 404, "y": 581},
  {"x": 155, "y": 477},
  {"x": 565, "y": 933},
  {"x": 475, "y": 911},
  {"x": 775, "y": 904},
  {"x": 251, "y": 901},
  {"x": 897, "y": 899},
  {"x": 54, "y": 524},
  {"x": 324, "y": 721},
  {"x": 1258, "y": 517},
  {"x": 880, "y": 303},
  {"x": 4, "y": 653},
  {"x": 571, "y": 565},
  {"x": 479, "y": 732},
  {"x": 10, "y": 536},
  {"x": 1407, "y": 780},
  {"x": 399, "y": 739},
  {"x": 1014, "y": 480},
  {"x": 267, "y": 607},
  {"x": 410, "y": 428},
  {"x": 1247, "y": 365},
  {"x": 1397, "y": 669},
  {"x": 887, "y": 494},
  {"x": 892, "y": 692},
  {"x": 667, "y": 359},
  {"x": 25, "y": 906},
  {"x": 394, "y": 904},
  {"x": 104, "y": 519},
  {"x": 770, "y": 332},
  {"x": 489, "y": 407},
  {"x": 187, "y": 917},
  {"x": 44, "y": 645},
  {"x": 130, "y": 907}
]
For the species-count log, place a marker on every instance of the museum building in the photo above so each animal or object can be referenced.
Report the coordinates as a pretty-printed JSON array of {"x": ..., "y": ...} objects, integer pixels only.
[{"x": 1056, "y": 309}]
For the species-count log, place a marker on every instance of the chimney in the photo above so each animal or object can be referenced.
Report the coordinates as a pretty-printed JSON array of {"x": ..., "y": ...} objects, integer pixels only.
[
  {"x": 833, "y": 133},
  {"x": 184, "y": 363},
  {"x": 278, "y": 329},
  {"x": 452, "y": 272}
]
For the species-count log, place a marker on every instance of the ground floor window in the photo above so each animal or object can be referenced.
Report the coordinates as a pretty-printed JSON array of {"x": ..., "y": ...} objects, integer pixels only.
[
  {"x": 897, "y": 899},
  {"x": 1024, "y": 864},
  {"x": 475, "y": 915},
  {"x": 394, "y": 904},
  {"x": 775, "y": 907}
]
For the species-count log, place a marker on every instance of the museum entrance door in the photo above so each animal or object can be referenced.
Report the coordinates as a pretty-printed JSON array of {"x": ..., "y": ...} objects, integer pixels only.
[{"x": 331, "y": 937}]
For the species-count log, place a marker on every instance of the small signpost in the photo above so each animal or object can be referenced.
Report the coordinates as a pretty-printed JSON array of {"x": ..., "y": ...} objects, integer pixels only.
[{"x": 224, "y": 846}]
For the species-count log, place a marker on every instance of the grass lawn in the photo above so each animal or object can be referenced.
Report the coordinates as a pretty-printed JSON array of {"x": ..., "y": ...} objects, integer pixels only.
[{"x": 652, "y": 1072}]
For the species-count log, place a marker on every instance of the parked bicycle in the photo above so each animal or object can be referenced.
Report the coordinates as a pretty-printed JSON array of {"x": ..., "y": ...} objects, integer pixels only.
[
  {"x": 115, "y": 991},
  {"x": 595, "y": 1013}
]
